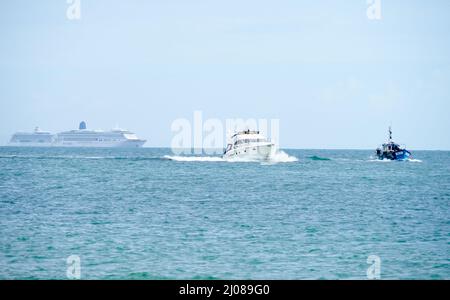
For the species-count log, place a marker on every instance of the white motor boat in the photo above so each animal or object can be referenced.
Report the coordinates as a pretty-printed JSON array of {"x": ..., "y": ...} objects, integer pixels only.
[{"x": 250, "y": 145}]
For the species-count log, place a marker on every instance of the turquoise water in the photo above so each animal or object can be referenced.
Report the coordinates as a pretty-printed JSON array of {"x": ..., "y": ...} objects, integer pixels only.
[{"x": 137, "y": 214}]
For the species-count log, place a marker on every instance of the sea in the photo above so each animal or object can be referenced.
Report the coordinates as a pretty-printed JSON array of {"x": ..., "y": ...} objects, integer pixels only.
[{"x": 150, "y": 214}]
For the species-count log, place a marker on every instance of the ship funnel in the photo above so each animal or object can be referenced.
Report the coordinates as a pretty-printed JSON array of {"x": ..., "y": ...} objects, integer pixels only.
[{"x": 82, "y": 125}]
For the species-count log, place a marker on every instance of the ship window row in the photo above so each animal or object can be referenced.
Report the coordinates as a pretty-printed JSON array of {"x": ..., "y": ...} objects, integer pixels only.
[
  {"x": 87, "y": 139},
  {"x": 31, "y": 141},
  {"x": 246, "y": 141},
  {"x": 26, "y": 139},
  {"x": 32, "y": 137}
]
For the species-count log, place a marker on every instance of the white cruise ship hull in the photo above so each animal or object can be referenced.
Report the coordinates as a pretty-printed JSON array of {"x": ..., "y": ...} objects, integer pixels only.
[
  {"x": 29, "y": 144},
  {"x": 251, "y": 152}
]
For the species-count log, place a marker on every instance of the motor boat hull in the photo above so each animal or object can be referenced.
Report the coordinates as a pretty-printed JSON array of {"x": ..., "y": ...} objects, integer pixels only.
[{"x": 251, "y": 152}]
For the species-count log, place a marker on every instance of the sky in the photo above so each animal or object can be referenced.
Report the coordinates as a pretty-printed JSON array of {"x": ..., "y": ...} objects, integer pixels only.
[{"x": 334, "y": 78}]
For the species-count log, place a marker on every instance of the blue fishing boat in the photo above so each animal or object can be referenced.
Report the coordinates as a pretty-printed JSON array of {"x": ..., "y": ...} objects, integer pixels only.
[{"x": 392, "y": 151}]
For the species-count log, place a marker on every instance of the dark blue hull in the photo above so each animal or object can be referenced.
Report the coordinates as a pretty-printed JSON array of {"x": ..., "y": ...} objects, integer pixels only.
[{"x": 398, "y": 155}]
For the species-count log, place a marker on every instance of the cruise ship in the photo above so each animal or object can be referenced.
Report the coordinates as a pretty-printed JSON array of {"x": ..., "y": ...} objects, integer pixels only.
[
  {"x": 37, "y": 138},
  {"x": 81, "y": 137}
]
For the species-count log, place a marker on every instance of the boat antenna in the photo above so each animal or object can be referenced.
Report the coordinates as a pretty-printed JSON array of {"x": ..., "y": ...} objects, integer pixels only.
[{"x": 390, "y": 134}]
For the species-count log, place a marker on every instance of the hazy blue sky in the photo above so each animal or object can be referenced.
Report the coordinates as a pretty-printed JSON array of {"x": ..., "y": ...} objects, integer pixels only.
[{"x": 334, "y": 78}]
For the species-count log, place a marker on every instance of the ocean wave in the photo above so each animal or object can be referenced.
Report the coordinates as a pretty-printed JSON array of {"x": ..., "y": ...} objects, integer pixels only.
[
  {"x": 56, "y": 157},
  {"x": 315, "y": 157}
]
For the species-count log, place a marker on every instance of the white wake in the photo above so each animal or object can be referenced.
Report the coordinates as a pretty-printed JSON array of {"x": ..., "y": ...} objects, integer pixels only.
[
  {"x": 414, "y": 160},
  {"x": 389, "y": 160},
  {"x": 282, "y": 157},
  {"x": 195, "y": 158},
  {"x": 278, "y": 157}
]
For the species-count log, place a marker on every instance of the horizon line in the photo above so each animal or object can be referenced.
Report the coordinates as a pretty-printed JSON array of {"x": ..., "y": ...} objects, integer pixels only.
[{"x": 166, "y": 147}]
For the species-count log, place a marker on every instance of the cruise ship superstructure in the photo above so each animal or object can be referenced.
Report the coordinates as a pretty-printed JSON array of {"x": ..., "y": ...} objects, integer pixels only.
[{"x": 81, "y": 137}]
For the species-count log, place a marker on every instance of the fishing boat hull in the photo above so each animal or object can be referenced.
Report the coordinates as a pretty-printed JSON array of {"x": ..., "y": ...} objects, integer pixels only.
[{"x": 400, "y": 155}]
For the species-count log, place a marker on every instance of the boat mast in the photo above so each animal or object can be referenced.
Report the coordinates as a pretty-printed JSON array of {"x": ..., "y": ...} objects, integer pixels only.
[{"x": 390, "y": 134}]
